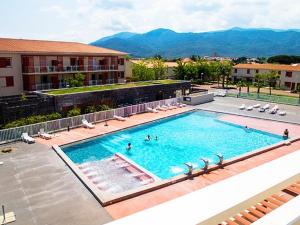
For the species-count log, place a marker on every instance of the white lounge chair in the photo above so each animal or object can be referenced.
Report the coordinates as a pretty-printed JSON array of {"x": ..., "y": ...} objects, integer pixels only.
[
  {"x": 180, "y": 105},
  {"x": 256, "y": 106},
  {"x": 26, "y": 138},
  {"x": 242, "y": 107},
  {"x": 264, "y": 108},
  {"x": 171, "y": 106},
  {"x": 44, "y": 135},
  {"x": 152, "y": 110},
  {"x": 282, "y": 113},
  {"x": 120, "y": 118},
  {"x": 86, "y": 124},
  {"x": 249, "y": 108},
  {"x": 274, "y": 109},
  {"x": 161, "y": 108}
]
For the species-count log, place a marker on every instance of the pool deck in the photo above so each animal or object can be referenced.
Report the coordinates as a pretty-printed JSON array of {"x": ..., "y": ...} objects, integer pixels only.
[
  {"x": 127, "y": 207},
  {"x": 31, "y": 182},
  {"x": 78, "y": 134}
]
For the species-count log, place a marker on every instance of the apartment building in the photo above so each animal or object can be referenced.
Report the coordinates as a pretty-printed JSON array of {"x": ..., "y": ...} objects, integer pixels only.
[
  {"x": 289, "y": 74},
  {"x": 31, "y": 65}
]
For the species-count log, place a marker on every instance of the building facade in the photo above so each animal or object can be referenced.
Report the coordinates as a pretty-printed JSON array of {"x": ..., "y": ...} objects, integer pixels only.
[
  {"x": 289, "y": 74},
  {"x": 31, "y": 65}
]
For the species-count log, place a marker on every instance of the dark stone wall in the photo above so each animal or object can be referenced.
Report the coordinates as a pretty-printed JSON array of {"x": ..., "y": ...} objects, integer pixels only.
[
  {"x": 120, "y": 97},
  {"x": 12, "y": 108}
]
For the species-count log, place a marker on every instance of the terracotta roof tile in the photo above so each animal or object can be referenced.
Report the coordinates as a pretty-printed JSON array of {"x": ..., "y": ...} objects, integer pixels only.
[
  {"x": 57, "y": 47},
  {"x": 268, "y": 67}
]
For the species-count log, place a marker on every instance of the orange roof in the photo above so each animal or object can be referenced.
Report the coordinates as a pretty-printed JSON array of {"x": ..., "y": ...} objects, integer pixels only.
[
  {"x": 257, "y": 66},
  {"x": 56, "y": 47}
]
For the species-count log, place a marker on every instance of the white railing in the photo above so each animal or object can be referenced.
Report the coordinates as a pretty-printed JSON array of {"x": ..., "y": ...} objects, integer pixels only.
[
  {"x": 13, "y": 134},
  {"x": 84, "y": 68}
]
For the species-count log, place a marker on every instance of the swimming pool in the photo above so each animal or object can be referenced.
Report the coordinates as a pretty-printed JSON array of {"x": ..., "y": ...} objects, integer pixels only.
[{"x": 182, "y": 138}]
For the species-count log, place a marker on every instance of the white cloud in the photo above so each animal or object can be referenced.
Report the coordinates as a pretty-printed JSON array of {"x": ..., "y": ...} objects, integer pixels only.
[{"x": 88, "y": 20}]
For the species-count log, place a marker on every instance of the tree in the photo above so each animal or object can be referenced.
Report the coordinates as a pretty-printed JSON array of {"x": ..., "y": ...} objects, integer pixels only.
[
  {"x": 77, "y": 81},
  {"x": 259, "y": 81},
  {"x": 159, "y": 68},
  {"x": 298, "y": 90},
  {"x": 142, "y": 72},
  {"x": 225, "y": 71},
  {"x": 240, "y": 84},
  {"x": 271, "y": 79},
  {"x": 179, "y": 70},
  {"x": 284, "y": 59}
]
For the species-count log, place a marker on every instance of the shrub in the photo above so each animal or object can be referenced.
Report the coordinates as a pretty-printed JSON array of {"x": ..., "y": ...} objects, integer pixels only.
[
  {"x": 74, "y": 112},
  {"x": 103, "y": 108},
  {"x": 90, "y": 109},
  {"x": 54, "y": 116},
  {"x": 32, "y": 120},
  {"x": 77, "y": 81}
]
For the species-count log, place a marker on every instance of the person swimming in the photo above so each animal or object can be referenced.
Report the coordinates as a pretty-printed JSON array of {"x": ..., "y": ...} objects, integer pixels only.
[
  {"x": 128, "y": 147},
  {"x": 148, "y": 138},
  {"x": 156, "y": 138}
]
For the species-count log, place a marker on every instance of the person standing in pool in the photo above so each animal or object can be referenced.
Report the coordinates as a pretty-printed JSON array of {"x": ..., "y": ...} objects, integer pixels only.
[
  {"x": 286, "y": 133},
  {"x": 156, "y": 138},
  {"x": 148, "y": 138},
  {"x": 128, "y": 147}
]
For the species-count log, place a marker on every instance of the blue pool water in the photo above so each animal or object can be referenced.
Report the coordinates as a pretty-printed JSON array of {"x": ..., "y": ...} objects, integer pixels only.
[{"x": 183, "y": 138}]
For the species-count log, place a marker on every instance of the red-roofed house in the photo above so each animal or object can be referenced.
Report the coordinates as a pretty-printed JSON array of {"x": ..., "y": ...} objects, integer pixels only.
[{"x": 29, "y": 65}]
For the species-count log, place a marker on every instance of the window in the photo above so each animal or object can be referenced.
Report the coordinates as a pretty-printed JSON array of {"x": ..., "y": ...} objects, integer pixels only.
[
  {"x": 279, "y": 72},
  {"x": 121, "y": 61},
  {"x": 287, "y": 84},
  {"x": 5, "y": 62},
  {"x": 289, "y": 74},
  {"x": 7, "y": 81},
  {"x": 248, "y": 71},
  {"x": 235, "y": 70},
  {"x": 256, "y": 71},
  {"x": 121, "y": 75}
]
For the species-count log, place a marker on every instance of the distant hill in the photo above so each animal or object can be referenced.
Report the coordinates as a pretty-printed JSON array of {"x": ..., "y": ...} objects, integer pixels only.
[{"x": 235, "y": 42}]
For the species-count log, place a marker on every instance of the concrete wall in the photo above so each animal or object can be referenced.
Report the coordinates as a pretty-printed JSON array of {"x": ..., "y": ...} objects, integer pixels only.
[
  {"x": 196, "y": 99},
  {"x": 16, "y": 71}
]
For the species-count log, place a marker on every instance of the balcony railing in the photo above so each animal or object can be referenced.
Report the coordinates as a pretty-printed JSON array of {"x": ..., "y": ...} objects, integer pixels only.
[{"x": 82, "y": 68}]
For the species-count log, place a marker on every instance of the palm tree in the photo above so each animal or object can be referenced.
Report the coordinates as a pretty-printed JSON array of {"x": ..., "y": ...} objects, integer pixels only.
[
  {"x": 248, "y": 83},
  {"x": 240, "y": 84},
  {"x": 259, "y": 81},
  {"x": 271, "y": 79}
]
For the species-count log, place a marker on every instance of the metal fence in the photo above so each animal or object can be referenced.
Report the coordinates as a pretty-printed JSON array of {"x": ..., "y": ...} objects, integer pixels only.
[{"x": 14, "y": 134}]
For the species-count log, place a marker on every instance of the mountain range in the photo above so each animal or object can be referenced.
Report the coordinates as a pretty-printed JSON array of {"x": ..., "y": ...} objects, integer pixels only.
[{"x": 235, "y": 42}]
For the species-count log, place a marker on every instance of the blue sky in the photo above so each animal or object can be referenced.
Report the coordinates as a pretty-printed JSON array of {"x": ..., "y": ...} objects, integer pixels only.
[{"x": 89, "y": 20}]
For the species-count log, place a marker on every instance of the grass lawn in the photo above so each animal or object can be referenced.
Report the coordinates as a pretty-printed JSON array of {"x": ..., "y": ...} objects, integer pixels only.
[
  {"x": 108, "y": 87},
  {"x": 269, "y": 98}
]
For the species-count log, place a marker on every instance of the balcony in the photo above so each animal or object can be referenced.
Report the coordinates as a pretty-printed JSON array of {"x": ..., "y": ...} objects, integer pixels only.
[{"x": 69, "y": 69}]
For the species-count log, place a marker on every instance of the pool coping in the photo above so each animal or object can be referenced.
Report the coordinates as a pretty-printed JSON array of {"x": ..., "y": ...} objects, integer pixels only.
[{"x": 105, "y": 198}]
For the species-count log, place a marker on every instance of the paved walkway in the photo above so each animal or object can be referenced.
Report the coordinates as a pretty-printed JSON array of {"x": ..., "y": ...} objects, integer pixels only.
[
  {"x": 41, "y": 190},
  {"x": 231, "y": 105}
]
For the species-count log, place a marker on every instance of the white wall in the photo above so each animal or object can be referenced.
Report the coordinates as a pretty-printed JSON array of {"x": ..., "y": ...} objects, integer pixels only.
[{"x": 16, "y": 72}]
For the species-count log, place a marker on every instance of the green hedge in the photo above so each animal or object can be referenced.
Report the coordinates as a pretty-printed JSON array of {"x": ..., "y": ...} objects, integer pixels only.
[{"x": 32, "y": 120}]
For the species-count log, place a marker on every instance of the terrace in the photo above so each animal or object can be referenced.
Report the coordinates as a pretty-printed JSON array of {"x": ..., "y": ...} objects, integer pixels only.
[{"x": 109, "y": 87}]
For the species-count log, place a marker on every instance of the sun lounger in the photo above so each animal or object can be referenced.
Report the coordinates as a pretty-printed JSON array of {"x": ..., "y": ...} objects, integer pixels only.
[
  {"x": 145, "y": 182},
  {"x": 249, "y": 108},
  {"x": 86, "y": 124},
  {"x": 44, "y": 135},
  {"x": 256, "y": 106},
  {"x": 267, "y": 106},
  {"x": 119, "y": 118},
  {"x": 26, "y": 138},
  {"x": 171, "y": 106},
  {"x": 282, "y": 113},
  {"x": 181, "y": 105},
  {"x": 274, "y": 109},
  {"x": 161, "y": 108},
  {"x": 152, "y": 110},
  {"x": 242, "y": 107}
]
